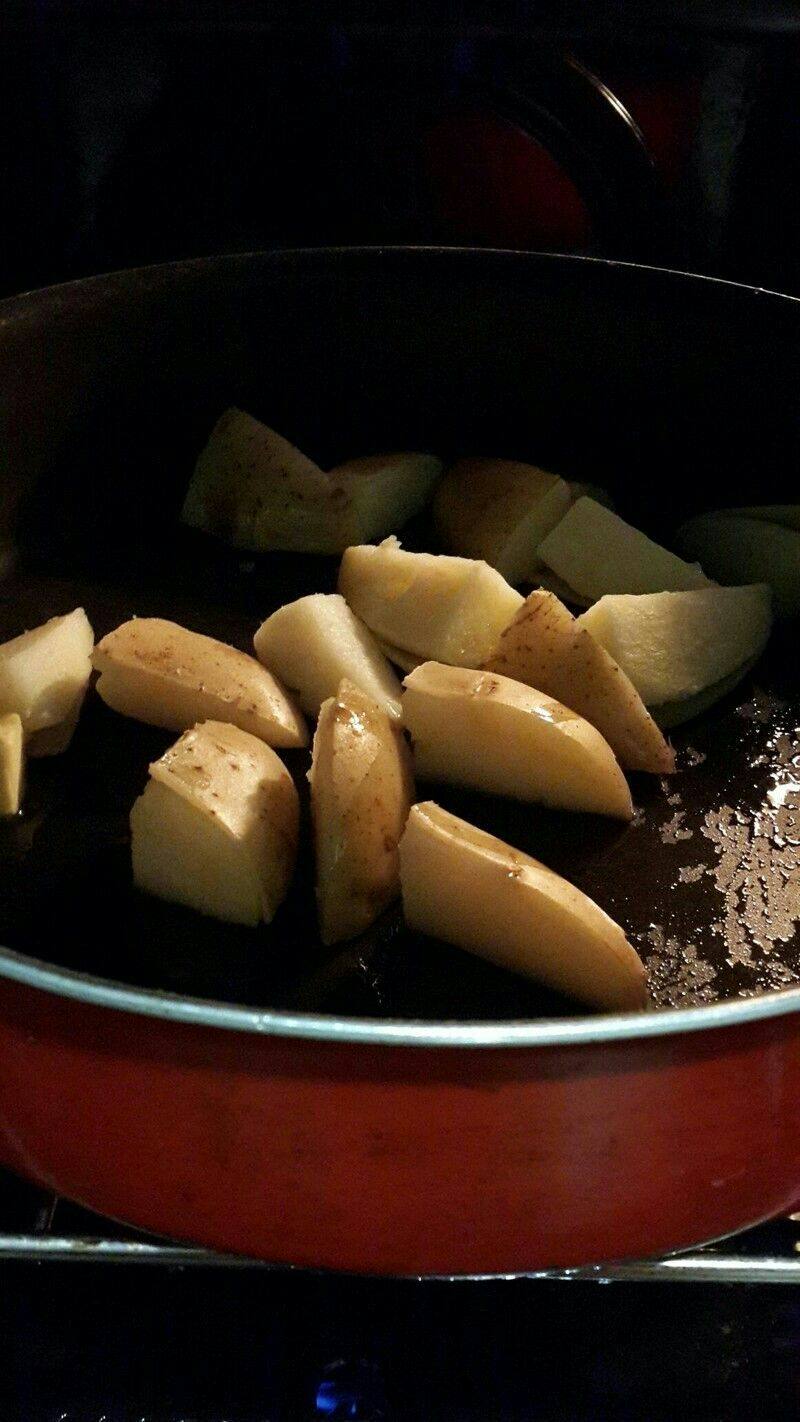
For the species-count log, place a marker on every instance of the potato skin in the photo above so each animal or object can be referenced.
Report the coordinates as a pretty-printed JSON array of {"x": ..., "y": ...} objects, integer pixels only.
[
  {"x": 361, "y": 792},
  {"x": 545, "y": 647},
  {"x": 161, "y": 673}
]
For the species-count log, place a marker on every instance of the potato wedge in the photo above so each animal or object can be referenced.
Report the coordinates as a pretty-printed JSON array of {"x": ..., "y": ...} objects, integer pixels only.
[
  {"x": 499, "y": 510},
  {"x": 673, "y": 645},
  {"x": 311, "y": 644},
  {"x": 579, "y": 490},
  {"x": 466, "y": 887},
  {"x": 216, "y": 828},
  {"x": 447, "y": 609},
  {"x": 544, "y": 647},
  {"x": 551, "y": 582},
  {"x": 361, "y": 790},
  {"x": 12, "y": 763},
  {"x": 158, "y": 672},
  {"x": 787, "y": 515},
  {"x": 486, "y": 732},
  {"x": 379, "y": 493},
  {"x": 406, "y": 661},
  {"x": 256, "y": 490},
  {"x": 54, "y": 740},
  {"x": 45, "y": 672},
  {"x": 747, "y": 550},
  {"x": 596, "y": 552},
  {"x": 677, "y": 713}
]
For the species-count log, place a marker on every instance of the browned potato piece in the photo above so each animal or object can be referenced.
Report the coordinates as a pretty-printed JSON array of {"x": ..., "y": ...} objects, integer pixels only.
[
  {"x": 158, "y": 672},
  {"x": 361, "y": 790},
  {"x": 544, "y": 647}
]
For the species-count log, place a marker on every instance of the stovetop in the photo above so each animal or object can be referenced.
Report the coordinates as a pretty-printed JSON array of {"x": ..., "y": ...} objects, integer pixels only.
[{"x": 182, "y": 1335}]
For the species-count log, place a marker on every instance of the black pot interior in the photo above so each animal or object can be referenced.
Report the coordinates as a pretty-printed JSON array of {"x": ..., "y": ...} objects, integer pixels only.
[{"x": 677, "y": 393}]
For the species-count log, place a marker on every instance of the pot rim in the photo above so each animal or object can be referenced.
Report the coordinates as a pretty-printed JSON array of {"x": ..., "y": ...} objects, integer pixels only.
[
  {"x": 398, "y": 1032},
  {"x": 566, "y": 1031}
]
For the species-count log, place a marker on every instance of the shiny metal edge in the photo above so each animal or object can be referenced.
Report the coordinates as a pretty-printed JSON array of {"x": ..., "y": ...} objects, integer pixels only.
[
  {"x": 697, "y": 1268},
  {"x": 12, "y": 307},
  {"x": 564, "y": 1031}
]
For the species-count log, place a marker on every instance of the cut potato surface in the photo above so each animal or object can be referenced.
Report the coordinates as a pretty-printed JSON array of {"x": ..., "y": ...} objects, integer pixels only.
[
  {"x": 482, "y": 730},
  {"x": 747, "y": 550},
  {"x": 546, "y": 648},
  {"x": 447, "y": 609},
  {"x": 596, "y": 552},
  {"x": 361, "y": 791},
  {"x": 45, "y": 672},
  {"x": 677, "y": 713},
  {"x": 406, "y": 661},
  {"x": 158, "y": 672},
  {"x": 377, "y": 494},
  {"x": 12, "y": 762},
  {"x": 551, "y": 582},
  {"x": 216, "y": 828},
  {"x": 579, "y": 490},
  {"x": 673, "y": 645},
  {"x": 54, "y": 740},
  {"x": 499, "y": 510},
  {"x": 311, "y": 644},
  {"x": 472, "y": 890},
  {"x": 255, "y": 489}
]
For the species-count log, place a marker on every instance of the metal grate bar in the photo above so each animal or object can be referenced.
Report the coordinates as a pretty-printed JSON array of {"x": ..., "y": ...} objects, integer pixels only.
[
  {"x": 38, "y": 1226},
  {"x": 702, "y": 1266}
]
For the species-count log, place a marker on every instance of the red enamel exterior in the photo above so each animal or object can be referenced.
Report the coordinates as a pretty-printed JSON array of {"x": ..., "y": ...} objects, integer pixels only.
[{"x": 402, "y": 1159}]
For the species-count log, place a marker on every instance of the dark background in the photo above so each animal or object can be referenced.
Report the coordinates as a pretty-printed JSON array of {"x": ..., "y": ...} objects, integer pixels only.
[{"x": 140, "y": 132}]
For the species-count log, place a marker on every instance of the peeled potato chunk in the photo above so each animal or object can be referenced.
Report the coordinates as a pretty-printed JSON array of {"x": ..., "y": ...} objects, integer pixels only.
[
  {"x": 486, "y": 732},
  {"x": 311, "y": 644},
  {"x": 45, "y": 672},
  {"x": 499, "y": 510},
  {"x": 216, "y": 828},
  {"x": 547, "y": 648},
  {"x": 361, "y": 790},
  {"x": 447, "y": 609},
  {"x": 675, "y": 644},
  {"x": 472, "y": 890},
  {"x": 158, "y": 672},
  {"x": 12, "y": 762},
  {"x": 596, "y": 552},
  {"x": 748, "y": 550}
]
